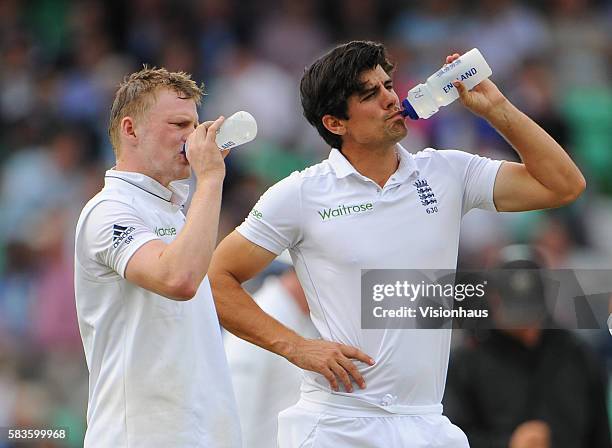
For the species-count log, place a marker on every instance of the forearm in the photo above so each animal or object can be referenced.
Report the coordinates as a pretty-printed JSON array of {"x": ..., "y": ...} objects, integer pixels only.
[
  {"x": 545, "y": 160},
  {"x": 191, "y": 251},
  {"x": 240, "y": 315}
]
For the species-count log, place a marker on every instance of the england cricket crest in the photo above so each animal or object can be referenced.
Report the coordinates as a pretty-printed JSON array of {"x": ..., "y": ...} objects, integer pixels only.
[{"x": 426, "y": 196}]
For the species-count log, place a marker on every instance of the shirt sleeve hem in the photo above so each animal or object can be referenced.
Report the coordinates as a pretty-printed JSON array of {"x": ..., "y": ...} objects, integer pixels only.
[
  {"x": 259, "y": 240},
  {"x": 131, "y": 251},
  {"x": 490, "y": 204}
]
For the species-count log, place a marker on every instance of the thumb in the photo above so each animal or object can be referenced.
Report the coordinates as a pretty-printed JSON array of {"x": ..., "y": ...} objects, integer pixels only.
[{"x": 461, "y": 89}]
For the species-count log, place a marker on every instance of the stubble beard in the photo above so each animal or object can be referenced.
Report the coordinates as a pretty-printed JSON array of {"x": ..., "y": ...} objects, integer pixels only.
[{"x": 396, "y": 132}]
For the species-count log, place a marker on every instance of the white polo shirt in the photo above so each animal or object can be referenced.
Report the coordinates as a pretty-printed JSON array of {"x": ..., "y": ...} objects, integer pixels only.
[
  {"x": 335, "y": 222},
  {"x": 158, "y": 372}
]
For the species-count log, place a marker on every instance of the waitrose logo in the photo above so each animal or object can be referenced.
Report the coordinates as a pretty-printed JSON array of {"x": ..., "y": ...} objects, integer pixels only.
[
  {"x": 168, "y": 231},
  {"x": 343, "y": 210}
]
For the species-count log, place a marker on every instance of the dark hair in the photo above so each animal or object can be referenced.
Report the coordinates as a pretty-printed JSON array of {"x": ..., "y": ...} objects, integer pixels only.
[{"x": 334, "y": 77}]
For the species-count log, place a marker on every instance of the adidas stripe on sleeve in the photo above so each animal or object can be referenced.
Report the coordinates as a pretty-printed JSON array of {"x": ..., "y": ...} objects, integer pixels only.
[{"x": 113, "y": 232}]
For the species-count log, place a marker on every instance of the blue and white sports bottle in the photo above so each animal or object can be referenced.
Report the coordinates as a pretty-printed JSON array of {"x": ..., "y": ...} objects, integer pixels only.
[{"x": 424, "y": 100}]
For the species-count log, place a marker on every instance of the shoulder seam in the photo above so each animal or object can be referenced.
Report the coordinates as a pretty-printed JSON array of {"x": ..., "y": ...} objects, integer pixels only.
[{"x": 320, "y": 169}]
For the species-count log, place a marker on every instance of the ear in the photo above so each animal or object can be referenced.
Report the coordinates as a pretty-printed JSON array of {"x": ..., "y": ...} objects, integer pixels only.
[
  {"x": 333, "y": 124},
  {"x": 128, "y": 129}
]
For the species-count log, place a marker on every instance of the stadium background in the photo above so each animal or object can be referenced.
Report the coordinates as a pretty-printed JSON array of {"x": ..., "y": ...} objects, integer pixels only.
[{"x": 61, "y": 60}]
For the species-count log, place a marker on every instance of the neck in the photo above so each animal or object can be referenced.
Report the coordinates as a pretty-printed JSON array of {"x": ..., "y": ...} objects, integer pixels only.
[
  {"x": 376, "y": 164},
  {"x": 124, "y": 165}
]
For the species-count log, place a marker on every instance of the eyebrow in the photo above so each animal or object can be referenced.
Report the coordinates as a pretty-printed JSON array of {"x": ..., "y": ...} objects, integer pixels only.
[
  {"x": 179, "y": 117},
  {"x": 372, "y": 89}
]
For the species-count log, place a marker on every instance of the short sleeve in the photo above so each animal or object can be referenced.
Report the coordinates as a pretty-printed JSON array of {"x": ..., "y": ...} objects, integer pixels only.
[
  {"x": 274, "y": 222},
  {"x": 110, "y": 235},
  {"x": 477, "y": 174}
]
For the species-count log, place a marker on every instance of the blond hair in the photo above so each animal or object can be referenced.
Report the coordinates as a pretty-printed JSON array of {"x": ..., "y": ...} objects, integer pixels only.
[{"x": 137, "y": 91}]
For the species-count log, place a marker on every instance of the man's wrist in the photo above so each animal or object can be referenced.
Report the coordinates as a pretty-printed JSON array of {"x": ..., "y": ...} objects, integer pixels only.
[
  {"x": 287, "y": 346},
  {"x": 502, "y": 115},
  {"x": 212, "y": 178}
]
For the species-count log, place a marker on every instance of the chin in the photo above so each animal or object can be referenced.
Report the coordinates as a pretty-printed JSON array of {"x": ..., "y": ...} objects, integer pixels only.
[
  {"x": 396, "y": 137},
  {"x": 398, "y": 127}
]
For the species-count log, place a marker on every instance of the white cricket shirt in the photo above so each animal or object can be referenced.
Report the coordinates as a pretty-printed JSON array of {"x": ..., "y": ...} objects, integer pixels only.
[
  {"x": 158, "y": 373},
  {"x": 334, "y": 221}
]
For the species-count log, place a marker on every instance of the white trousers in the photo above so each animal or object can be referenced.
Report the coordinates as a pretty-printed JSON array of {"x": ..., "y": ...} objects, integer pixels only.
[{"x": 302, "y": 427}]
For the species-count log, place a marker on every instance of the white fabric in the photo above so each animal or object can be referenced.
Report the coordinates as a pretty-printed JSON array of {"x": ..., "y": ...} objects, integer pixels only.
[
  {"x": 335, "y": 222},
  {"x": 158, "y": 373},
  {"x": 351, "y": 405},
  {"x": 305, "y": 426},
  {"x": 266, "y": 383}
]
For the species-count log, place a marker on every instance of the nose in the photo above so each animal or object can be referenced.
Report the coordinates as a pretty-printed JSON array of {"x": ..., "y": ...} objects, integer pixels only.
[{"x": 390, "y": 99}]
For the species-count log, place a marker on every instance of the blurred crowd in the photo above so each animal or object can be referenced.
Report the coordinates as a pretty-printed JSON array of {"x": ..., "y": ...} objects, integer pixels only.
[{"x": 61, "y": 61}]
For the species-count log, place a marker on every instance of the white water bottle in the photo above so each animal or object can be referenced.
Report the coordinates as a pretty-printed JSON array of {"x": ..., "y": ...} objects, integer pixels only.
[
  {"x": 236, "y": 130},
  {"x": 424, "y": 100}
]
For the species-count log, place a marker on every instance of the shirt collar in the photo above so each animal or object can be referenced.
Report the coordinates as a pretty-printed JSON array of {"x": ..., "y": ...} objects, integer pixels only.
[
  {"x": 176, "y": 193},
  {"x": 342, "y": 167}
]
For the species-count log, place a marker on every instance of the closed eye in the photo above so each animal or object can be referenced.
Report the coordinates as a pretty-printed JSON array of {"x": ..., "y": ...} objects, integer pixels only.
[
  {"x": 181, "y": 124},
  {"x": 371, "y": 93}
]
